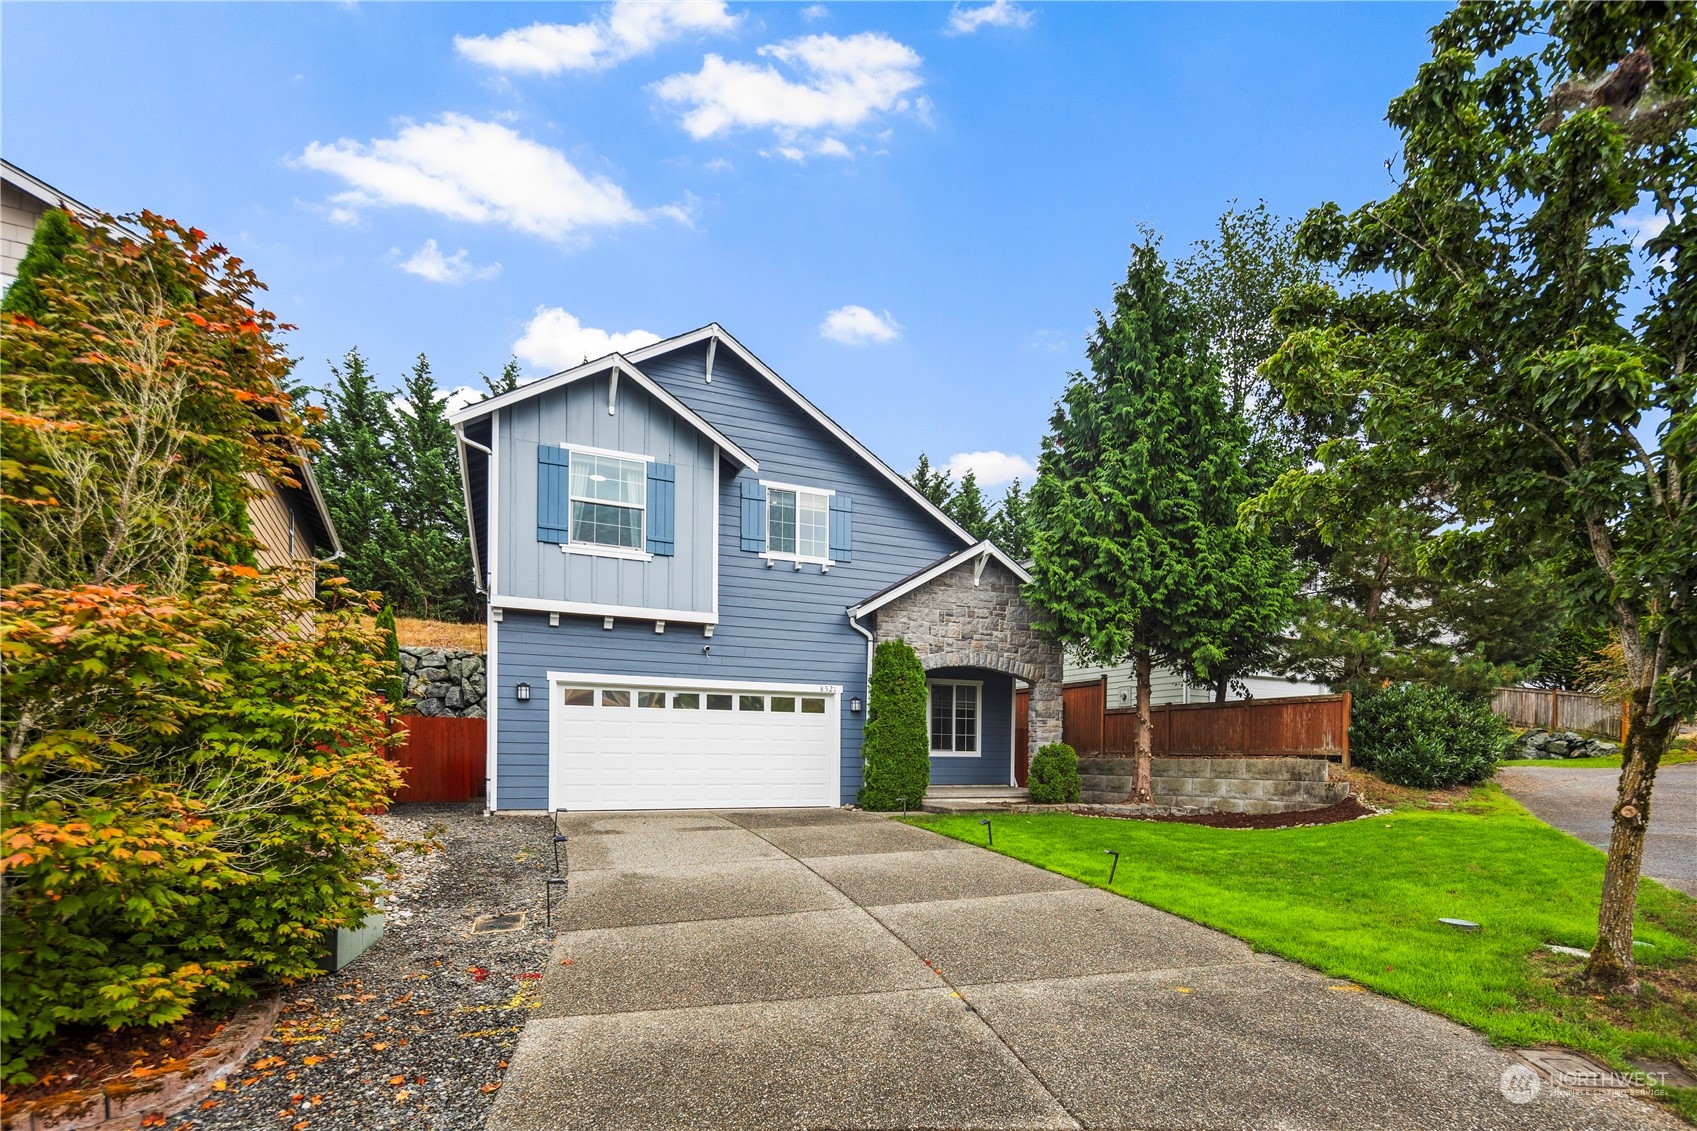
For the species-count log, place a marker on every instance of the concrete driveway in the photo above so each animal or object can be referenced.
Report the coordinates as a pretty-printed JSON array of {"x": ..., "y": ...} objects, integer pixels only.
[
  {"x": 1580, "y": 802},
  {"x": 837, "y": 970}
]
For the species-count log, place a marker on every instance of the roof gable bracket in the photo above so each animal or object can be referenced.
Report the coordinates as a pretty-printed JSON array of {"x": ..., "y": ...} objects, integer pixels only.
[
  {"x": 978, "y": 568},
  {"x": 712, "y": 348},
  {"x": 612, "y": 389}
]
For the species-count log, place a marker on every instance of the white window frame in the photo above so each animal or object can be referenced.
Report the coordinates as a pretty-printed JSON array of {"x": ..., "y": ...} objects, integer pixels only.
[
  {"x": 772, "y": 555},
  {"x": 595, "y": 549},
  {"x": 977, "y": 719}
]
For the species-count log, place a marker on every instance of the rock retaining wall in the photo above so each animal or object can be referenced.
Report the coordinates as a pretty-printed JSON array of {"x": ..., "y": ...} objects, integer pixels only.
[
  {"x": 1561, "y": 744},
  {"x": 445, "y": 681}
]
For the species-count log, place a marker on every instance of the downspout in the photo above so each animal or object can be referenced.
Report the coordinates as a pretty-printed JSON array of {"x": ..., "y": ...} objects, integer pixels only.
[{"x": 870, "y": 643}]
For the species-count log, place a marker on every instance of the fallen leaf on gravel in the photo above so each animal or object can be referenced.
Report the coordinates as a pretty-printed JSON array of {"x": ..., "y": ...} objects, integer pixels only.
[
  {"x": 419, "y": 1081},
  {"x": 530, "y": 975},
  {"x": 478, "y": 973},
  {"x": 1183, "y": 989},
  {"x": 379, "y": 1046},
  {"x": 267, "y": 1062},
  {"x": 296, "y": 1098},
  {"x": 312, "y": 1060},
  {"x": 208, "y": 1105},
  {"x": 402, "y": 1096},
  {"x": 404, "y": 998},
  {"x": 367, "y": 997},
  {"x": 153, "y": 1119},
  {"x": 220, "y": 1085},
  {"x": 250, "y": 1081},
  {"x": 500, "y": 1064},
  {"x": 491, "y": 1087},
  {"x": 1347, "y": 989},
  {"x": 315, "y": 1100},
  {"x": 404, "y": 1041},
  {"x": 301, "y": 1126},
  {"x": 395, "y": 1081},
  {"x": 567, "y": 961}
]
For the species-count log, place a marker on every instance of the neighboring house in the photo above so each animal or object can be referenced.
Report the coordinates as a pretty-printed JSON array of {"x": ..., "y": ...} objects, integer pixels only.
[
  {"x": 291, "y": 523},
  {"x": 1169, "y": 686},
  {"x": 687, "y": 566}
]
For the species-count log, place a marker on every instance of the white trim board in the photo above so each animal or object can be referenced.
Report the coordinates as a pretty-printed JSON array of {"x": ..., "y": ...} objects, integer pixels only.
[
  {"x": 617, "y": 363},
  {"x": 590, "y": 609},
  {"x": 953, "y": 561},
  {"x": 679, "y": 683}
]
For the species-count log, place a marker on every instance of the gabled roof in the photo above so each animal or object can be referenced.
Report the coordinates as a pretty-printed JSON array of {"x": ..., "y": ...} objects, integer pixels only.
[
  {"x": 981, "y": 553},
  {"x": 617, "y": 363},
  {"x": 715, "y": 332}
]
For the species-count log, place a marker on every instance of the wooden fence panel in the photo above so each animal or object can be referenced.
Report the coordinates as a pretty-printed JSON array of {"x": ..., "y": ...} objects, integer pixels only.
[
  {"x": 1550, "y": 709},
  {"x": 443, "y": 758},
  {"x": 1021, "y": 735},
  {"x": 1311, "y": 725}
]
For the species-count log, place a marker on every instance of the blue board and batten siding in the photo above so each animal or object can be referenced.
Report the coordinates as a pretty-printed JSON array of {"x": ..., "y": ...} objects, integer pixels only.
[
  {"x": 577, "y": 414},
  {"x": 994, "y": 764},
  {"x": 774, "y": 623}
]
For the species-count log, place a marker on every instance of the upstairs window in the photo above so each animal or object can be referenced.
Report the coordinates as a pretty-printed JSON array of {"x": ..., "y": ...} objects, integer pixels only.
[
  {"x": 608, "y": 497},
  {"x": 955, "y": 717},
  {"x": 798, "y": 524}
]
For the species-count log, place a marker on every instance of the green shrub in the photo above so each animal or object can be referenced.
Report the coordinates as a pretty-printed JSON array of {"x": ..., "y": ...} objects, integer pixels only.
[
  {"x": 1053, "y": 778},
  {"x": 896, "y": 751},
  {"x": 1426, "y": 737},
  {"x": 394, "y": 685}
]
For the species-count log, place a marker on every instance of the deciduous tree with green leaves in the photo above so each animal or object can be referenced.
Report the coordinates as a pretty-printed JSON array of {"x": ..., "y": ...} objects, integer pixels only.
[{"x": 1519, "y": 340}]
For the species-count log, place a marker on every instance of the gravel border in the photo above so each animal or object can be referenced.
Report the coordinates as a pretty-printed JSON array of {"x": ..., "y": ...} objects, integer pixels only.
[{"x": 417, "y": 1032}]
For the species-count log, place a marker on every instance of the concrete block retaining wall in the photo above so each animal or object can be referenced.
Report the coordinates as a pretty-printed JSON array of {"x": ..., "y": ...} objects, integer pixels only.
[{"x": 1222, "y": 785}]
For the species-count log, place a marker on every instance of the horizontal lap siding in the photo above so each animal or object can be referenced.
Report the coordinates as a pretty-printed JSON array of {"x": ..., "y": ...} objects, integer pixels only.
[
  {"x": 994, "y": 764},
  {"x": 775, "y": 624}
]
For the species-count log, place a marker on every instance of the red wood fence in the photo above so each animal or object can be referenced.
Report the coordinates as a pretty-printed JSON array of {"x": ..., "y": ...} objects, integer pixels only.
[
  {"x": 1550, "y": 709},
  {"x": 1312, "y": 725},
  {"x": 1021, "y": 734},
  {"x": 443, "y": 758}
]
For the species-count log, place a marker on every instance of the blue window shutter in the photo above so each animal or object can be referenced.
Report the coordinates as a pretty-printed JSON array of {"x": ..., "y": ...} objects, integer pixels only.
[
  {"x": 662, "y": 489},
  {"x": 842, "y": 528},
  {"x": 753, "y": 516},
  {"x": 553, "y": 494}
]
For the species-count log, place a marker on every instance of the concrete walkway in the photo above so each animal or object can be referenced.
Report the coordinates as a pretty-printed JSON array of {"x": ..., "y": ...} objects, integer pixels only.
[
  {"x": 1580, "y": 801},
  {"x": 829, "y": 969}
]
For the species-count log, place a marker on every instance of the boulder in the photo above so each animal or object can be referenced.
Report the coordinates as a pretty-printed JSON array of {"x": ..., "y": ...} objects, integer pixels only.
[
  {"x": 433, "y": 659},
  {"x": 409, "y": 662},
  {"x": 456, "y": 667},
  {"x": 452, "y": 698}
]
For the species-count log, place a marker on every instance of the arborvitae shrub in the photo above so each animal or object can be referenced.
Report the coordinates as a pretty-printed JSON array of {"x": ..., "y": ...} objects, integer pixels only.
[
  {"x": 897, "y": 746},
  {"x": 1053, "y": 778}
]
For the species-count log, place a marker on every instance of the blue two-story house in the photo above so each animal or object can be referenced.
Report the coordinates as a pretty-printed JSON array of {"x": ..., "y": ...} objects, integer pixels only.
[{"x": 687, "y": 567}]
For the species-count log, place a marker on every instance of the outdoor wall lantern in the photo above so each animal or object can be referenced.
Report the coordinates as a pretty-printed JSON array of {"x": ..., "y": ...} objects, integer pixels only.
[
  {"x": 854, "y": 705},
  {"x": 522, "y": 693}
]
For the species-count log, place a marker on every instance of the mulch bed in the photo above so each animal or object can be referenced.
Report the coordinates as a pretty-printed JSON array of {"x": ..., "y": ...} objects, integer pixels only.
[
  {"x": 88, "y": 1058},
  {"x": 1349, "y": 809}
]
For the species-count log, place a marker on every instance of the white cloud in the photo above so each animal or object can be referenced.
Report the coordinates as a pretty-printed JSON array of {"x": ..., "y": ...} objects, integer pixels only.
[
  {"x": 814, "y": 12},
  {"x": 840, "y": 84},
  {"x": 482, "y": 172},
  {"x": 1644, "y": 228},
  {"x": 992, "y": 468},
  {"x": 622, "y": 31},
  {"x": 1001, "y": 13},
  {"x": 555, "y": 340},
  {"x": 428, "y": 262},
  {"x": 858, "y": 326}
]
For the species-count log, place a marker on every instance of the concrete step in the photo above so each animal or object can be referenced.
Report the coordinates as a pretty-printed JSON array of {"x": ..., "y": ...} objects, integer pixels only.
[{"x": 970, "y": 798}]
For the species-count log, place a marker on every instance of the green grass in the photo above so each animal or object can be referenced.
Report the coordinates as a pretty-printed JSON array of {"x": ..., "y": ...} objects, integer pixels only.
[
  {"x": 1607, "y": 762},
  {"x": 1361, "y": 900}
]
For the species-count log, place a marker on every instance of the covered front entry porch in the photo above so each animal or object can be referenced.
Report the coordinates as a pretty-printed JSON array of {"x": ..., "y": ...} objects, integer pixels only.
[{"x": 984, "y": 662}]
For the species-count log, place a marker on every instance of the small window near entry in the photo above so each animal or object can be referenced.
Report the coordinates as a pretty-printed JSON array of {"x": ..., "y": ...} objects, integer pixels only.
[
  {"x": 615, "y": 698},
  {"x": 954, "y": 718},
  {"x": 718, "y": 702},
  {"x": 650, "y": 698},
  {"x": 785, "y": 703},
  {"x": 813, "y": 706},
  {"x": 687, "y": 701},
  {"x": 751, "y": 702},
  {"x": 580, "y": 697}
]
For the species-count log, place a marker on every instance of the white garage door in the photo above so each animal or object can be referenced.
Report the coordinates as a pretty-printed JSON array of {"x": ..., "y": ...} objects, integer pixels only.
[{"x": 641, "y": 746}]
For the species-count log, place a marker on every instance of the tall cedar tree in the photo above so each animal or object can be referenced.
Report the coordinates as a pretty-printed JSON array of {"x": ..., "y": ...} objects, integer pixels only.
[
  {"x": 435, "y": 551},
  {"x": 1490, "y": 354},
  {"x": 932, "y": 482},
  {"x": 1009, "y": 528},
  {"x": 357, "y": 471},
  {"x": 1135, "y": 495},
  {"x": 968, "y": 507}
]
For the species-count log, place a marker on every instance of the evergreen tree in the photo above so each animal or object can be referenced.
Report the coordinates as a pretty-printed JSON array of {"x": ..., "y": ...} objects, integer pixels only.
[
  {"x": 933, "y": 483},
  {"x": 1134, "y": 541},
  {"x": 356, "y": 470},
  {"x": 506, "y": 382},
  {"x": 897, "y": 745},
  {"x": 55, "y": 235},
  {"x": 1009, "y": 527},
  {"x": 967, "y": 507},
  {"x": 435, "y": 553}
]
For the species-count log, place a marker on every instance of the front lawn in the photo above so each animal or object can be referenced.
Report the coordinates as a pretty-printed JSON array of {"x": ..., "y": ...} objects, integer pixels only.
[{"x": 1361, "y": 900}]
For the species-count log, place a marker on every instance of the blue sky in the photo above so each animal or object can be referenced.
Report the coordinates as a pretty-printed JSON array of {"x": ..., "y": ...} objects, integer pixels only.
[{"x": 909, "y": 210}]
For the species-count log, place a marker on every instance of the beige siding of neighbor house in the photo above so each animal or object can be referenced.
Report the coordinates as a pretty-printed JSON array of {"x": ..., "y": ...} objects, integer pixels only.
[
  {"x": 1168, "y": 686},
  {"x": 19, "y": 214},
  {"x": 283, "y": 541}
]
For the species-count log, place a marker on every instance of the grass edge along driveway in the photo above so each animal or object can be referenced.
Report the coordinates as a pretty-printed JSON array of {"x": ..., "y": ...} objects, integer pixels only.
[{"x": 1361, "y": 900}]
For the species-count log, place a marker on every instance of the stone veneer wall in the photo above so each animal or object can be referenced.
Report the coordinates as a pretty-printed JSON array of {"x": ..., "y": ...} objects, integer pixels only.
[
  {"x": 952, "y": 623},
  {"x": 445, "y": 681}
]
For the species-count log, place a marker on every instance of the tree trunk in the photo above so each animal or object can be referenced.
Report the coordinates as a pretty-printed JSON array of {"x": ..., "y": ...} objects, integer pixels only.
[
  {"x": 1222, "y": 688},
  {"x": 1611, "y": 964},
  {"x": 1141, "y": 793}
]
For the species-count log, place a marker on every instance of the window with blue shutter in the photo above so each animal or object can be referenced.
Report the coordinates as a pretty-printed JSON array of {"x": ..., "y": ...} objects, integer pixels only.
[
  {"x": 842, "y": 528},
  {"x": 553, "y": 494},
  {"x": 662, "y": 489},
  {"x": 753, "y": 516}
]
